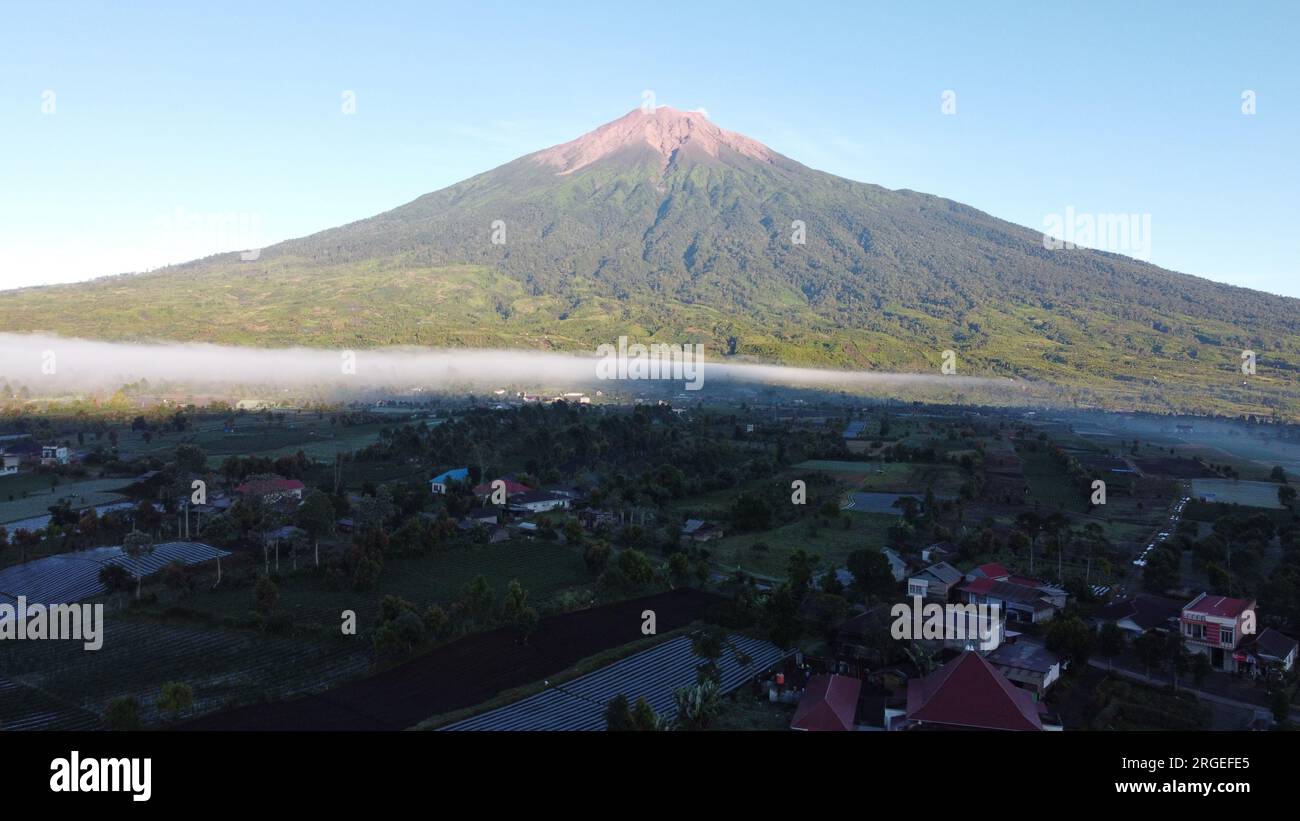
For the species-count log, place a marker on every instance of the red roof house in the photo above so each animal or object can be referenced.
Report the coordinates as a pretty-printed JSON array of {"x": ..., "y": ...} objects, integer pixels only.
[
  {"x": 271, "y": 489},
  {"x": 992, "y": 570},
  {"x": 512, "y": 488},
  {"x": 968, "y": 693},
  {"x": 829, "y": 703},
  {"x": 1208, "y": 604},
  {"x": 1215, "y": 626}
]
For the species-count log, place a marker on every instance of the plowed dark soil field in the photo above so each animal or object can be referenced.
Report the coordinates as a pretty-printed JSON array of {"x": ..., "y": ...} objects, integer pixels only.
[{"x": 467, "y": 671}]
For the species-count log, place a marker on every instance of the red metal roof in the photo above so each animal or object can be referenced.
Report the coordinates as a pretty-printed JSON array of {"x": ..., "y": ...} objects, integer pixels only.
[
  {"x": 1220, "y": 606},
  {"x": 993, "y": 570},
  {"x": 1026, "y": 581},
  {"x": 981, "y": 585},
  {"x": 511, "y": 487},
  {"x": 969, "y": 692},
  {"x": 829, "y": 703}
]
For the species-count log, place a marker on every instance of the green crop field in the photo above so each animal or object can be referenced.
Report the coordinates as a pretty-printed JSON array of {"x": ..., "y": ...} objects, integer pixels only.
[
  {"x": 832, "y": 543},
  {"x": 543, "y": 568},
  {"x": 79, "y": 495},
  {"x": 1049, "y": 485},
  {"x": 1228, "y": 491},
  {"x": 139, "y": 655},
  {"x": 835, "y": 466},
  {"x": 253, "y": 436},
  {"x": 913, "y": 477}
]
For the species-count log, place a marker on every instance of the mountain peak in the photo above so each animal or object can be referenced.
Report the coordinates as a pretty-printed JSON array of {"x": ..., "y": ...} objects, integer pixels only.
[{"x": 663, "y": 129}]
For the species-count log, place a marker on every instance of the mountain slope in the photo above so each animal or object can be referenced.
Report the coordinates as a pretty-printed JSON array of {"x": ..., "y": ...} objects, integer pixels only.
[{"x": 663, "y": 225}]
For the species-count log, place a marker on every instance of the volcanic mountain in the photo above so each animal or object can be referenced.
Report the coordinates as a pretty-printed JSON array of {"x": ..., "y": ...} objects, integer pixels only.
[{"x": 661, "y": 225}]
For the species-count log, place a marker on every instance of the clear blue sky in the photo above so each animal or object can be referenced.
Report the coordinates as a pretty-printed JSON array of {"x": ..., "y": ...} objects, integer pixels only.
[{"x": 230, "y": 113}]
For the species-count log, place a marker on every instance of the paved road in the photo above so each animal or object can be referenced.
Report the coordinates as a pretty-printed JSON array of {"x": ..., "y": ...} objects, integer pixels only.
[{"x": 1205, "y": 695}]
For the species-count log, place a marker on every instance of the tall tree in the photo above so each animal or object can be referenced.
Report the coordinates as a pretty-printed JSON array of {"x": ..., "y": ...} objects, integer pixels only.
[
  {"x": 1110, "y": 642},
  {"x": 138, "y": 545},
  {"x": 316, "y": 516}
]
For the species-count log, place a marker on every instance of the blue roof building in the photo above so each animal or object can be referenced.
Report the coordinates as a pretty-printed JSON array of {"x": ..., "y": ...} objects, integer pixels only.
[{"x": 439, "y": 482}]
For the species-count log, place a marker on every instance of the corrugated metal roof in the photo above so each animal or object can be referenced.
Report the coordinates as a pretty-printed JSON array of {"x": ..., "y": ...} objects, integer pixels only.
[
  {"x": 652, "y": 674},
  {"x": 71, "y": 577}
]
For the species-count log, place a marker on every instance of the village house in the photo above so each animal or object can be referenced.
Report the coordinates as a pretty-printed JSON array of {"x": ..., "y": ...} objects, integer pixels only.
[
  {"x": 1027, "y": 665},
  {"x": 539, "y": 501},
  {"x": 481, "y": 516},
  {"x": 1019, "y": 603},
  {"x": 699, "y": 530},
  {"x": 1140, "y": 613},
  {"x": 992, "y": 570},
  {"x": 968, "y": 693},
  {"x": 272, "y": 490},
  {"x": 898, "y": 564},
  {"x": 28, "y": 451},
  {"x": 864, "y": 641},
  {"x": 441, "y": 483},
  {"x": 829, "y": 703},
  {"x": 934, "y": 583},
  {"x": 1213, "y": 625},
  {"x": 591, "y": 518},
  {"x": 54, "y": 455},
  {"x": 1021, "y": 598},
  {"x": 1270, "y": 655},
  {"x": 484, "y": 491},
  {"x": 939, "y": 552}
]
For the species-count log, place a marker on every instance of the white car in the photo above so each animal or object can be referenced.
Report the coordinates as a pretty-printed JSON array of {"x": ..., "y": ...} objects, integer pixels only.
[{"x": 1140, "y": 562}]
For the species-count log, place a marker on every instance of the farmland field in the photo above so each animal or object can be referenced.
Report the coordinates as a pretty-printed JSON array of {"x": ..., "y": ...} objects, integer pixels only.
[
  {"x": 139, "y": 655},
  {"x": 79, "y": 494},
  {"x": 470, "y": 670},
  {"x": 767, "y": 553},
  {"x": 22, "y": 708},
  {"x": 891, "y": 477},
  {"x": 1049, "y": 486},
  {"x": 914, "y": 477},
  {"x": 252, "y": 435},
  {"x": 543, "y": 569},
  {"x": 1174, "y": 467},
  {"x": 1228, "y": 491},
  {"x": 836, "y": 466}
]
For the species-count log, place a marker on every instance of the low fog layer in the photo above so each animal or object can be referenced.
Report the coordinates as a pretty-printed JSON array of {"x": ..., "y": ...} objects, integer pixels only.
[{"x": 50, "y": 365}]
